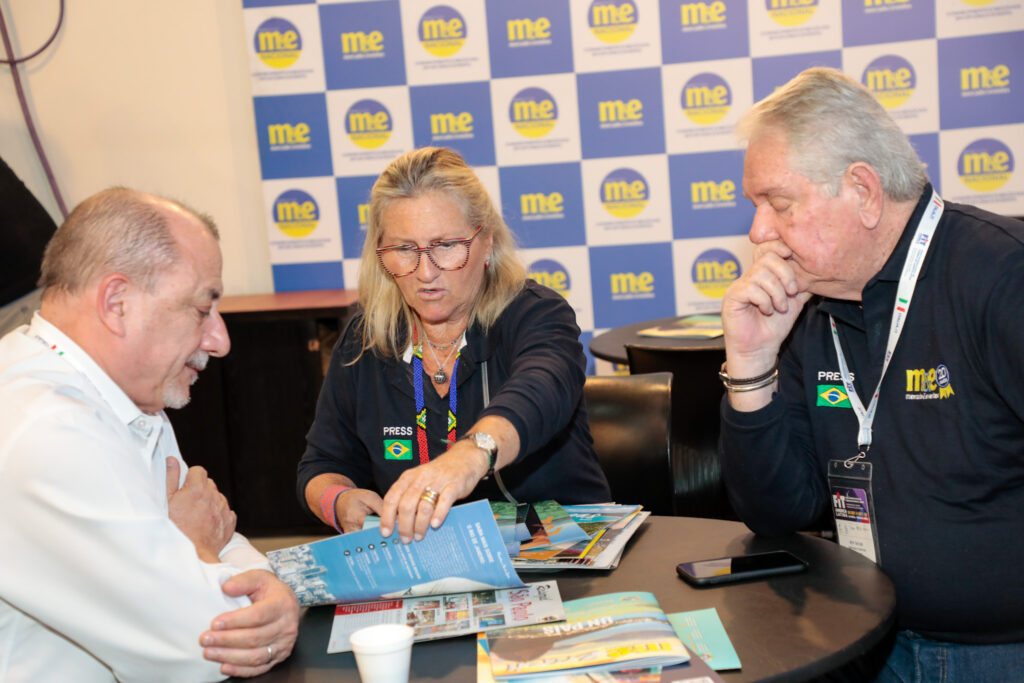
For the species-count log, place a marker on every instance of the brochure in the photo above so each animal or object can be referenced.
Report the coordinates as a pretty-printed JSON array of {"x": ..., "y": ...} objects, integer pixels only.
[
  {"x": 700, "y": 326},
  {"x": 550, "y": 525},
  {"x": 602, "y": 551},
  {"x": 601, "y": 633},
  {"x": 466, "y": 553},
  {"x": 702, "y": 633},
  {"x": 692, "y": 671},
  {"x": 455, "y": 614}
]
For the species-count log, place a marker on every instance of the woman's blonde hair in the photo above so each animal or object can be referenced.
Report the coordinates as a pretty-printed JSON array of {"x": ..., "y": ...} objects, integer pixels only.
[{"x": 388, "y": 319}]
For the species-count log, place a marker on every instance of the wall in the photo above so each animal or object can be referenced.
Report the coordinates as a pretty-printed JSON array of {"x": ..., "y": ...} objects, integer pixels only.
[
  {"x": 605, "y": 128},
  {"x": 148, "y": 94}
]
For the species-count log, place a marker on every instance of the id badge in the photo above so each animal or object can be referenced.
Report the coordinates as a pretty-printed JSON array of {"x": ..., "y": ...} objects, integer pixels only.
[{"x": 853, "y": 507}]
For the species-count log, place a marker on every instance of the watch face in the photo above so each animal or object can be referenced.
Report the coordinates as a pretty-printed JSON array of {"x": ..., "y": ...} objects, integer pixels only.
[{"x": 486, "y": 442}]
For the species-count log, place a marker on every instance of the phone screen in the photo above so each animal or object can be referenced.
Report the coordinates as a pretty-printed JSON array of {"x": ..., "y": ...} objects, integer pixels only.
[{"x": 740, "y": 567}]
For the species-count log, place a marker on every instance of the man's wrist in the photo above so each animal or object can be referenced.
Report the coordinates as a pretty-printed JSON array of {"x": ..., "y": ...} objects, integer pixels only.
[{"x": 753, "y": 383}]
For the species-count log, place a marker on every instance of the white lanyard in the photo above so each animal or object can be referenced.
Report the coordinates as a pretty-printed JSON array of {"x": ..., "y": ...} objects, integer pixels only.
[{"x": 904, "y": 293}]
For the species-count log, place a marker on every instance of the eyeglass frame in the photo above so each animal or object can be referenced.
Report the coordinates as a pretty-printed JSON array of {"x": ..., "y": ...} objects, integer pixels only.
[{"x": 468, "y": 241}]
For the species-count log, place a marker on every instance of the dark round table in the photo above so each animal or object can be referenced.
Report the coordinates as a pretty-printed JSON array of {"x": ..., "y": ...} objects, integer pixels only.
[
  {"x": 785, "y": 628},
  {"x": 611, "y": 345}
]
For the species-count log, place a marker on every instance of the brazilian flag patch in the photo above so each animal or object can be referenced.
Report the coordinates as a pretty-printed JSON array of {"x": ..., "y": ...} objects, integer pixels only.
[
  {"x": 833, "y": 396},
  {"x": 397, "y": 449}
]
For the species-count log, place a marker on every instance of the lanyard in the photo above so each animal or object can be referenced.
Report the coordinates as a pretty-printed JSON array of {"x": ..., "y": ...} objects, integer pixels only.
[
  {"x": 421, "y": 411},
  {"x": 904, "y": 293}
]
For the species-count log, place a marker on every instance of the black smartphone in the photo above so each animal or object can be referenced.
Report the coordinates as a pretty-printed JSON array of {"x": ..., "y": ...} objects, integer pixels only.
[{"x": 739, "y": 568}]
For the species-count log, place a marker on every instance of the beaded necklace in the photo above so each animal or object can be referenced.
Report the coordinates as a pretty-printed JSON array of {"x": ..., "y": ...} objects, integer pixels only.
[{"x": 421, "y": 411}]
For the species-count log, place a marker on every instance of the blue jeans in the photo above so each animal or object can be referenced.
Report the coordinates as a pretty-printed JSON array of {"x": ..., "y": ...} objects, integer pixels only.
[{"x": 916, "y": 659}]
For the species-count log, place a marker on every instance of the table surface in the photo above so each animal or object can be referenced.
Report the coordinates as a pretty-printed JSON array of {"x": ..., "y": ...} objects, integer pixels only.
[
  {"x": 611, "y": 345},
  {"x": 784, "y": 628}
]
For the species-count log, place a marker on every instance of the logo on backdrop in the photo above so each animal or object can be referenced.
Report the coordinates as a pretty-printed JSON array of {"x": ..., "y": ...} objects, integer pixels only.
[
  {"x": 790, "y": 12},
  {"x": 620, "y": 114},
  {"x": 929, "y": 383},
  {"x": 451, "y": 126},
  {"x": 544, "y": 204},
  {"x": 984, "y": 80},
  {"x": 533, "y": 112},
  {"x": 985, "y": 165},
  {"x": 632, "y": 285},
  {"x": 876, "y": 6},
  {"x": 442, "y": 31},
  {"x": 706, "y": 98},
  {"x": 703, "y": 16},
  {"x": 354, "y": 212},
  {"x": 288, "y": 136},
  {"x": 277, "y": 43},
  {"x": 296, "y": 213},
  {"x": 362, "y": 45},
  {"x": 368, "y": 124},
  {"x": 526, "y": 32},
  {"x": 539, "y": 206},
  {"x": 892, "y": 80},
  {"x": 551, "y": 274},
  {"x": 709, "y": 194},
  {"x": 713, "y": 272},
  {"x": 612, "y": 21},
  {"x": 624, "y": 193}
]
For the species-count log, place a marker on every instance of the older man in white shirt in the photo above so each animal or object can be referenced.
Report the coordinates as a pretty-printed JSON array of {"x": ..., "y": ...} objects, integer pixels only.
[{"x": 119, "y": 562}]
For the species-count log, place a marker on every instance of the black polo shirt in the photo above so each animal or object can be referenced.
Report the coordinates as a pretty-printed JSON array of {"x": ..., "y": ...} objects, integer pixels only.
[
  {"x": 948, "y": 438},
  {"x": 536, "y": 371}
]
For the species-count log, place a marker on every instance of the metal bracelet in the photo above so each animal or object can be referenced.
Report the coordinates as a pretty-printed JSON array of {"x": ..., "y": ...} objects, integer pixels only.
[
  {"x": 726, "y": 379},
  {"x": 761, "y": 382}
]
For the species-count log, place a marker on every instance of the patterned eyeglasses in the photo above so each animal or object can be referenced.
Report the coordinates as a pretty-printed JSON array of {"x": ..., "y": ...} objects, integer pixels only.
[{"x": 403, "y": 259}]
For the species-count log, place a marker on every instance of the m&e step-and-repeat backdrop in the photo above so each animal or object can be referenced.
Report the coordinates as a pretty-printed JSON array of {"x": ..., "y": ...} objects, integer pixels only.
[{"x": 604, "y": 128}]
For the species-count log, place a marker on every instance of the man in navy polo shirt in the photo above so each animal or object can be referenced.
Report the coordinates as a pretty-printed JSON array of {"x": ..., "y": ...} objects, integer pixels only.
[{"x": 874, "y": 370}]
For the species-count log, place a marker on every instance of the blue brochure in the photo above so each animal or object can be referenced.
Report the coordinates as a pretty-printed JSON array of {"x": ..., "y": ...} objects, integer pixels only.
[{"x": 466, "y": 553}]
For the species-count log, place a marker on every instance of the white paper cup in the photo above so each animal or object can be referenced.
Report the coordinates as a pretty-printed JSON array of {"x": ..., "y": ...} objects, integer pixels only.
[{"x": 383, "y": 652}]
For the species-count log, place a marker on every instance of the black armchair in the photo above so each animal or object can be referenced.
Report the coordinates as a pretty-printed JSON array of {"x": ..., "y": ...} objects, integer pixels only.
[
  {"x": 630, "y": 420},
  {"x": 696, "y": 394}
]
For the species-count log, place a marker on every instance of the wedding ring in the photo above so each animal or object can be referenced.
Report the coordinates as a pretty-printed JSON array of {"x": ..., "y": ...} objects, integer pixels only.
[
  {"x": 430, "y": 495},
  {"x": 270, "y": 654}
]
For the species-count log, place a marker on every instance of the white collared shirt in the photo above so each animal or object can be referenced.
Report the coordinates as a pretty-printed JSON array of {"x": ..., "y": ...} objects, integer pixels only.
[{"x": 96, "y": 582}]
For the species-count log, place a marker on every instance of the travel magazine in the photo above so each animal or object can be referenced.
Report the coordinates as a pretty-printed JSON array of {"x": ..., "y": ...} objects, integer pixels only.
[
  {"x": 698, "y": 326},
  {"x": 610, "y": 527},
  {"x": 692, "y": 671},
  {"x": 603, "y": 633},
  {"x": 446, "y": 616}
]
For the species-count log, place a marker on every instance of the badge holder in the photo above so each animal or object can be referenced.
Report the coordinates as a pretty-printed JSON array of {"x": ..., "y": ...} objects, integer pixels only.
[{"x": 853, "y": 506}]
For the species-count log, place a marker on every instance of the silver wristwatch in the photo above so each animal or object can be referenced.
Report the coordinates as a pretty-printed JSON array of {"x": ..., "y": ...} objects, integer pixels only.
[{"x": 487, "y": 444}]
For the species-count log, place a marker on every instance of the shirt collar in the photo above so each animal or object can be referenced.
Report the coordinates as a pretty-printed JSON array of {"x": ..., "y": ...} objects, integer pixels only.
[
  {"x": 852, "y": 312},
  {"x": 407, "y": 355},
  {"x": 894, "y": 265},
  {"x": 59, "y": 343}
]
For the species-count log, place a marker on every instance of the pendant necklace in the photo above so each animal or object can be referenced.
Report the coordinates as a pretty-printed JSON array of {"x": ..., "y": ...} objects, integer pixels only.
[{"x": 440, "y": 377}]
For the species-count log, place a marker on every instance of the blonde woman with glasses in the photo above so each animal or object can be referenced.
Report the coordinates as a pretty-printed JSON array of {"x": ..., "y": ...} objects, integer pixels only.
[{"x": 460, "y": 379}]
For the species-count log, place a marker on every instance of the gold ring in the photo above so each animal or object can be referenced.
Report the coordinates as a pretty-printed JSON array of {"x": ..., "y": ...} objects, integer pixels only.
[{"x": 430, "y": 495}]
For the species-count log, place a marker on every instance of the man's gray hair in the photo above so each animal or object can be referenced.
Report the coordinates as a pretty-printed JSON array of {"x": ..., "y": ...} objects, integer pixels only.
[
  {"x": 114, "y": 231},
  {"x": 830, "y": 121}
]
